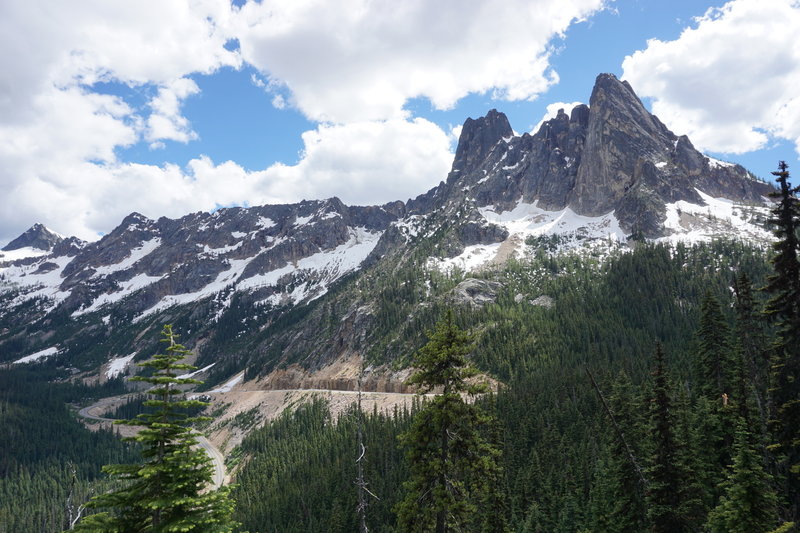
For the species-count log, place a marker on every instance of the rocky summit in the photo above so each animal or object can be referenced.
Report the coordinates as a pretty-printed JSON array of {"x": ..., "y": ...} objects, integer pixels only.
[
  {"x": 37, "y": 237},
  {"x": 279, "y": 284}
]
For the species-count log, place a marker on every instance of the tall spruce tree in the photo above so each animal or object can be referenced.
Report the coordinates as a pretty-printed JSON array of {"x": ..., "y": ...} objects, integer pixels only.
[
  {"x": 169, "y": 491},
  {"x": 454, "y": 469},
  {"x": 714, "y": 356},
  {"x": 748, "y": 503},
  {"x": 665, "y": 476},
  {"x": 784, "y": 308},
  {"x": 752, "y": 343},
  {"x": 617, "y": 496}
]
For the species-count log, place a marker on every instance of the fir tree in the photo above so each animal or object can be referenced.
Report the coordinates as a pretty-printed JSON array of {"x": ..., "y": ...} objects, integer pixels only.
[
  {"x": 664, "y": 475},
  {"x": 748, "y": 503},
  {"x": 784, "y": 307},
  {"x": 454, "y": 470},
  {"x": 713, "y": 350},
  {"x": 618, "y": 490},
  {"x": 169, "y": 490},
  {"x": 752, "y": 343}
]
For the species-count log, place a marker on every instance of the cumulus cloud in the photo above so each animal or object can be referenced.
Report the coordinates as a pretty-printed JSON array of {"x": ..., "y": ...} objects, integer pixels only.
[
  {"x": 552, "y": 110},
  {"x": 730, "y": 81},
  {"x": 166, "y": 121},
  {"x": 58, "y": 135},
  {"x": 361, "y": 163},
  {"x": 356, "y": 60},
  {"x": 351, "y": 66}
]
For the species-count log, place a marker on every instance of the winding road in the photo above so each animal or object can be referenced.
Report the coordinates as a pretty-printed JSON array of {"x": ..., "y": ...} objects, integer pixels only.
[{"x": 217, "y": 459}]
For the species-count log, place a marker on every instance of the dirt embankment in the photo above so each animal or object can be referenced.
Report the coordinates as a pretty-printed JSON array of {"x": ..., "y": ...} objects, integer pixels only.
[{"x": 341, "y": 375}]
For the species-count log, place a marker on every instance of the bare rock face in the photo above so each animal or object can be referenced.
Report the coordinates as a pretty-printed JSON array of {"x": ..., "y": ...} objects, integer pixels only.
[
  {"x": 37, "y": 236},
  {"x": 477, "y": 139},
  {"x": 623, "y": 142},
  {"x": 610, "y": 156},
  {"x": 476, "y": 292}
]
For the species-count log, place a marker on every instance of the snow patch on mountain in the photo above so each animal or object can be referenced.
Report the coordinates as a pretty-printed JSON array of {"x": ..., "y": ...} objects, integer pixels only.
[
  {"x": 472, "y": 258},
  {"x": 530, "y": 220},
  {"x": 21, "y": 253},
  {"x": 38, "y": 280},
  {"x": 718, "y": 217},
  {"x": 224, "y": 279},
  {"x": 136, "y": 255},
  {"x": 229, "y": 385},
  {"x": 41, "y": 354},
  {"x": 685, "y": 222},
  {"x": 126, "y": 288},
  {"x": 314, "y": 275},
  {"x": 117, "y": 365}
]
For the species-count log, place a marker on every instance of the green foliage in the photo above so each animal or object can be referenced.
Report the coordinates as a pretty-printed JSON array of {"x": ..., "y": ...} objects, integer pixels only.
[
  {"x": 454, "y": 470},
  {"x": 168, "y": 490},
  {"x": 299, "y": 471},
  {"x": 748, "y": 503},
  {"x": 784, "y": 308},
  {"x": 713, "y": 350},
  {"x": 44, "y": 448},
  {"x": 664, "y": 475}
]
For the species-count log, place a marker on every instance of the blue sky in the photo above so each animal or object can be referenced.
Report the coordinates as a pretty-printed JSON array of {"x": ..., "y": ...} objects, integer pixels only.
[{"x": 171, "y": 107}]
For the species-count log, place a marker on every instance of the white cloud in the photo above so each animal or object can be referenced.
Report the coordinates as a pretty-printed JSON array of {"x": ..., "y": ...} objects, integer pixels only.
[
  {"x": 56, "y": 134},
  {"x": 357, "y": 60},
  {"x": 361, "y": 163},
  {"x": 731, "y": 81},
  {"x": 365, "y": 162},
  {"x": 352, "y": 65},
  {"x": 166, "y": 121},
  {"x": 552, "y": 110}
]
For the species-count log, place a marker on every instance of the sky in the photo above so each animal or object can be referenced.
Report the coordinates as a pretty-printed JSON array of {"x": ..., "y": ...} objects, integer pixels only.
[{"x": 172, "y": 107}]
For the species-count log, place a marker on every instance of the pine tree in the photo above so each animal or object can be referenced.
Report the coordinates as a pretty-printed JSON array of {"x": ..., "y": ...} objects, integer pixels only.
[
  {"x": 664, "y": 475},
  {"x": 617, "y": 496},
  {"x": 752, "y": 344},
  {"x": 454, "y": 470},
  {"x": 784, "y": 308},
  {"x": 168, "y": 491},
  {"x": 713, "y": 350},
  {"x": 748, "y": 503}
]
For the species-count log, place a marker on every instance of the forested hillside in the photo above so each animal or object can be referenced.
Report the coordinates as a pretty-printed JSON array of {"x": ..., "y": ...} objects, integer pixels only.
[
  {"x": 46, "y": 453},
  {"x": 565, "y": 466}
]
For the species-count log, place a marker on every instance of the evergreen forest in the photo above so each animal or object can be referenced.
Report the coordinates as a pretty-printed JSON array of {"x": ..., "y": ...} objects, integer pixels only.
[{"x": 652, "y": 390}]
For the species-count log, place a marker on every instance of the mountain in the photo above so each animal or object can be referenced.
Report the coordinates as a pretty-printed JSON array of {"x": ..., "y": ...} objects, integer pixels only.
[
  {"x": 299, "y": 286},
  {"x": 38, "y": 236}
]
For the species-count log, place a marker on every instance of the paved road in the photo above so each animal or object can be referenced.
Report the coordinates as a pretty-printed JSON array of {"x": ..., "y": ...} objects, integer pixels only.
[{"x": 218, "y": 460}]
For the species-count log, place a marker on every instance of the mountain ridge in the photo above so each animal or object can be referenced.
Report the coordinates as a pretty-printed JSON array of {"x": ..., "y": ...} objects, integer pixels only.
[{"x": 604, "y": 173}]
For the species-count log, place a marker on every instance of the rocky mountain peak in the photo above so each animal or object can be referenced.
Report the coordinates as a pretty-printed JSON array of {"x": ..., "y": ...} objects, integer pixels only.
[
  {"x": 37, "y": 236},
  {"x": 478, "y": 137}
]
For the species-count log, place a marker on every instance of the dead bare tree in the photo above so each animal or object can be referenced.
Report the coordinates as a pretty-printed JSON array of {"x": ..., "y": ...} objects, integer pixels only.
[
  {"x": 73, "y": 514},
  {"x": 361, "y": 483}
]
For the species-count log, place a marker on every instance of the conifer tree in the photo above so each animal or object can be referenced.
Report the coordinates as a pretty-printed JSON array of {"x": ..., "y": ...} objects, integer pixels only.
[
  {"x": 752, "y": 343},
  {"x": 784, "y": 308},
  {"x": 664, "y": 475},
  {"x": 748, "y": 503},
  {"x": 169, "y": 490},
  {"x": 713, "y": 350},
  {"x": 618, "y": 490},
  {"x": 454, "y": 470}
]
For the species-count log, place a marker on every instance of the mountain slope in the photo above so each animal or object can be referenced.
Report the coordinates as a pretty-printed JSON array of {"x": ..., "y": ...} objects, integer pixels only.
[{"x": 309, "y": 283}]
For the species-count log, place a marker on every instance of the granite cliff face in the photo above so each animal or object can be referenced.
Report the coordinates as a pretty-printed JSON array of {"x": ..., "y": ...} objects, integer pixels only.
[
  {"x": 264, "y": 285},
  {"x": 611, "y": 156}
]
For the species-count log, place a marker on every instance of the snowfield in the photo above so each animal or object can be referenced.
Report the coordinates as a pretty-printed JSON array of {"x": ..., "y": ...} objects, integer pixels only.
[{"x": 685, "y": 222}]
